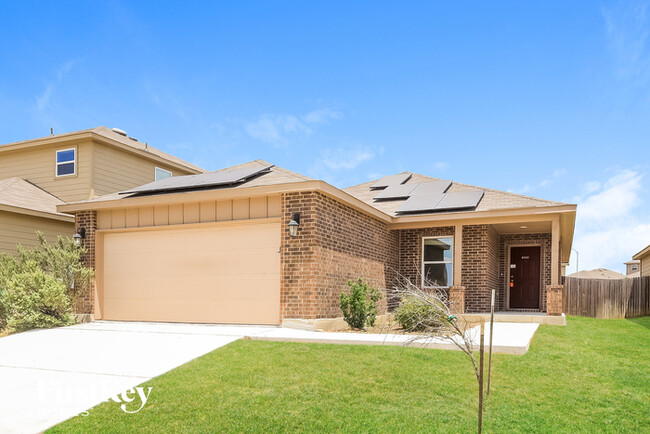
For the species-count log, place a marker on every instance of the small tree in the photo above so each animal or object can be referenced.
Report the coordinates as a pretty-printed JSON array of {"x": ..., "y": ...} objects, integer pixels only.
[
  {"x": 430, "y": 313},
  {"x": 360, "y": 305}
]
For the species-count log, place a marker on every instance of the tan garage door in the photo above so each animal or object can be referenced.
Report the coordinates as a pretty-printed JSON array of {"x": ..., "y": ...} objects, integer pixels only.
[{"x": 214, "y": 274}]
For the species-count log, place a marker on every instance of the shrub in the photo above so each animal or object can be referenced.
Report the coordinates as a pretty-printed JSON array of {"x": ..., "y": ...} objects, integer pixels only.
[
  {"x": 62, "y": 260},
  {"x": 417, "y": 315},
  {"x": 360, "y": 306},
  {"x": 36, "y": 300},
  {"x": 38, "y": 287},
  {"x": 8, "y": 267}
]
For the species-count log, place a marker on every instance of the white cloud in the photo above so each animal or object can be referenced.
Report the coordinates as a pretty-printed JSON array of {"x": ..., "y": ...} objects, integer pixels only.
[
  {"x": 440, "y": 166},
  {"x": 282, "y": 129},
  {"x": 612, "y": 223},
  {"x": 321, "y": 116},
  {"x": 346, "y": 158},
  {"x": 627, "y": 33},
  {"x": 43, "y": 100},
  {"x": 557, "y": 173},
  {"x": 619, "y": 196}
]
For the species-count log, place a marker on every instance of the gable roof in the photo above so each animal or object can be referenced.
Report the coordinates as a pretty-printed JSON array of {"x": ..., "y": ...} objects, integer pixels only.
[
  {"x": 110, "y": 137},
  {"x": 492, "y": 199},
  {"x": 642, "y": 253},
  {"x": 22, "y": 196}
]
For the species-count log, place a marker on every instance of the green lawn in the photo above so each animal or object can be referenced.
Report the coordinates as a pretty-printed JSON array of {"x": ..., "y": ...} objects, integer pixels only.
[{"x": 592, "y": 375}]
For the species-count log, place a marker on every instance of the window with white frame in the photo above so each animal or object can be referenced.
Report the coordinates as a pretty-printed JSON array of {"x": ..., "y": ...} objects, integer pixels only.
[
  {"x": 635, "y": 268},
  {"x": 162, "y": 174},
  {"x": 66, "y": 162},
  {"x": 437, "y": 261}
]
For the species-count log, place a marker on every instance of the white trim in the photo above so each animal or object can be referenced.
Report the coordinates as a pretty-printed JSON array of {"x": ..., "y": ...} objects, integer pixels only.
[
  {"x": 423, "y": 262},
  {"x": 57, "y": 163},
  {"x": 155, "y": 171}
]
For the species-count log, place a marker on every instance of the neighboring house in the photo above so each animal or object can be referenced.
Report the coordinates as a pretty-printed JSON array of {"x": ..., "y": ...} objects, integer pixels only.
[
  {"x": 644, "y": 261},
  {"x": 36, "y": 175},
  {"x": 598, "y": 273},
  {"x": 632, "y": 268},
  {"x": 221, "y": 248}
]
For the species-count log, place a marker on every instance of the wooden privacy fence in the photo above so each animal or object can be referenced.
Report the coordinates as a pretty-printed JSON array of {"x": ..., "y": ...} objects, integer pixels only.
[{"x": 607, "y": 298}]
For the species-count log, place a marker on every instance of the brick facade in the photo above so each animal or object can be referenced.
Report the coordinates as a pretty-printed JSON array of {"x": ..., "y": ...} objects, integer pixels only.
[
  {"x": 88, "y": 221},
  {"x": 335, "y": 243},
  {"x": 480, "y": 272},
  {"x": 410, "y": 254}
]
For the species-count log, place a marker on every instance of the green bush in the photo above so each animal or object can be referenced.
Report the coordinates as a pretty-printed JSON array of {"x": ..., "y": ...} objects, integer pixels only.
[
  {"x": 39, "y": 286},
  {"x": 418, "y": 315},
  {"x": 360, "y": 306},
  {"x": 36, "y": 300}
]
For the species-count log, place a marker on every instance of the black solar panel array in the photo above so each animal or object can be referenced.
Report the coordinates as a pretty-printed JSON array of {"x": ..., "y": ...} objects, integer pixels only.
[
  {"x": 204, "y": 180},
  {"x": 424, "y": 197}
]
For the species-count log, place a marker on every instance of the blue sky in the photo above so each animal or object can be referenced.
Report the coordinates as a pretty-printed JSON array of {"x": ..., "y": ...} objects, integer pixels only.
[{"x": 550, "y": 100}]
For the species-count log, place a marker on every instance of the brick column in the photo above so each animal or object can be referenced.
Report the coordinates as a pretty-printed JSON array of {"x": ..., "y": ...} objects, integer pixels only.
[
  {"x": 554, "y": 299},
  {"x": 88, "y": 221},
  {"x": 457, "y": 299}
]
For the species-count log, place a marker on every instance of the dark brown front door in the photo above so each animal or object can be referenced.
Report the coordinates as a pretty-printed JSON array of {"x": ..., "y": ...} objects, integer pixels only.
[{"x": 524, "y": 277}]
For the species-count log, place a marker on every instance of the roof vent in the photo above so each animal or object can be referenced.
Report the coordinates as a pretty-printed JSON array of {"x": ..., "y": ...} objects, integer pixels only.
[{"x": 120, "y": 132}]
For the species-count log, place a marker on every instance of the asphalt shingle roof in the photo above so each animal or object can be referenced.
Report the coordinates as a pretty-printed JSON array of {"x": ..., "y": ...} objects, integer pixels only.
[
  {"x": 16, "y": 192},
  {"x": 492, "y": 199}
]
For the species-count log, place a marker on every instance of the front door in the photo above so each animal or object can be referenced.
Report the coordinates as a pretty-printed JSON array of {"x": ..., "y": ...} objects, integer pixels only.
[{"x": 524, "y": 277}]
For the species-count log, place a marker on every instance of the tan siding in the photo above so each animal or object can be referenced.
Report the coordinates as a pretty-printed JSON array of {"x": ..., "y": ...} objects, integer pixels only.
[
  {"x": 645, "y": 266},
  {"x": 21, "y": 229},
  {"x": 37, "y": 165},
  {"x": 195, "y": 212},
  {"x": 119, "y": 170}
]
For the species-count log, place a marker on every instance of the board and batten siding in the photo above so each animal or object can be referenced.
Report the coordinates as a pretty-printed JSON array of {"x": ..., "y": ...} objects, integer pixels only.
[
  {"x": 21, "y": 229},
  {"x": 37, "y": 165},
  {"x": 118, "y": 170},
  {"x": 188, "y": 213}
]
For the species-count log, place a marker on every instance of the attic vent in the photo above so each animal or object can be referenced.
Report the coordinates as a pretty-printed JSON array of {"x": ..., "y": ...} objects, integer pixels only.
[{"x": 120, "y": 132}]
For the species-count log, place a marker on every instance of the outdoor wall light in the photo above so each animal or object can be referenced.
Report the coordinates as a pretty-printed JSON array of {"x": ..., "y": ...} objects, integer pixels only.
[
  {"x": 294, "y": 224},
  {"x": 80, "y": 235}
]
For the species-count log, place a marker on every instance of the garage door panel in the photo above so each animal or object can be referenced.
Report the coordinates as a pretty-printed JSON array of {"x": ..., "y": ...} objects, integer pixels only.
[{"x": 214, "y": 274}]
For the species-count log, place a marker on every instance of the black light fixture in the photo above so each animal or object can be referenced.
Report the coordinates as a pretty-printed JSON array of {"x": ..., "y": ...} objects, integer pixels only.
[
  {"x": 80, "y": 235},
  {"x": 294, "y": 224}
]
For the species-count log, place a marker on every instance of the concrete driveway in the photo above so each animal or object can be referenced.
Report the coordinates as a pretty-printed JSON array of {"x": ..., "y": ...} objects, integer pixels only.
[{"x": 48, "y": 376}]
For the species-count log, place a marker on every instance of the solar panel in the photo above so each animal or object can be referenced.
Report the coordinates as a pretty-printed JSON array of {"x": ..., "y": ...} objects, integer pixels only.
[
  {"x": 392, "y": 192},
  {"x": 420, "y": 203},
  {"x": 212, "y": 179},
  {"x": 433, "y": 202},
  {"x": 389, "y": 180},
  {"x": 431, "y": 187},
  {"x": 460, "y": 199}
]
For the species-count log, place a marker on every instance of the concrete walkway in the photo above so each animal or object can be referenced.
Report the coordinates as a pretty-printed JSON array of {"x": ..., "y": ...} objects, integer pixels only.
[
  {"x": 509, "y": 338},
  {"x": 48, "y": 376}
]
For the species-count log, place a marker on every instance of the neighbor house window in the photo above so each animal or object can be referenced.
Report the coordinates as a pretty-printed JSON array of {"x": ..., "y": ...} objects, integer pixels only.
[
  {"x": 437, "y": 261},
  {"x": 635, "y": 268},
  {"x": 162, "y": 174},
  {"x": 66, "y": 162}
]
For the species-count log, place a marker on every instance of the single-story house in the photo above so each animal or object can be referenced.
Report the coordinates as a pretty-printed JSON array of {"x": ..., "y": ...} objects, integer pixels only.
[{"x": 258, "y": 244}]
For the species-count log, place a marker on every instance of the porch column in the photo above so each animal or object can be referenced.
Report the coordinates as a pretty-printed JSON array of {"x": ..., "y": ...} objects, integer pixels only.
[
  {"x": 458, "y": 255},
  {"x": 555, "y": 251},
  {"x": 554, "y": 300}
]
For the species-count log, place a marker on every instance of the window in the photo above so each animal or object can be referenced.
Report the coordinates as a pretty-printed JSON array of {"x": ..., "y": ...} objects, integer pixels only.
[
  {"x": 634, "y": 268},
  {"x": 437, "y": 261},
  {"x": 162, "y": 174},
  {"x": 65, "y": 162}
]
